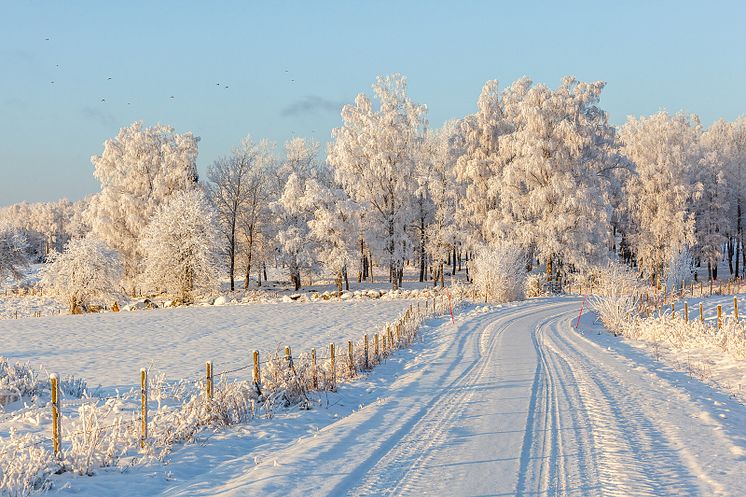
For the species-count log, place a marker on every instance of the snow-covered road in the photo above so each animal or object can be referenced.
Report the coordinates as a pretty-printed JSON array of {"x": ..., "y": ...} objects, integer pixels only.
[{"x": 512, "y": 402}]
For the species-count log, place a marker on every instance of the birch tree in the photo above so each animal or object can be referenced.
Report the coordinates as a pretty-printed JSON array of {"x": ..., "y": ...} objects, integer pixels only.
[
  {"x": 138, "y": 170},
  {"x": 374, "y": 155}
]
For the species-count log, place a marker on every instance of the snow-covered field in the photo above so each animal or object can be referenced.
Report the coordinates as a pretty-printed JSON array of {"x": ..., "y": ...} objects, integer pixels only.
[{"x": 109, "y": 349}]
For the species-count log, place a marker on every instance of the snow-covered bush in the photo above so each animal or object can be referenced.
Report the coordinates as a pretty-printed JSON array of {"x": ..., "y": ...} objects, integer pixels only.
[
  {"x": 534, "y": 286},
  {"x": 13, "y": 248},
  {"x": 615, "y": 311},
  {"x": 180, "y": 246},
  {"x": 500, "y": 273},
  {"x": 19, "y": 381},
  {"x": 25, "y": 465},
  {"x": 87, "y": 272},
  {"x": 677, "y": 333},
  {"x": 680, "y": 268}
]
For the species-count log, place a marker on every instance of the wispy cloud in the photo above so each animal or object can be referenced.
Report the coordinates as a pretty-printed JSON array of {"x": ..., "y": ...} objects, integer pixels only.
[
  {"x": 311, "y": 104},
  {"x": 101, "y": 116}
]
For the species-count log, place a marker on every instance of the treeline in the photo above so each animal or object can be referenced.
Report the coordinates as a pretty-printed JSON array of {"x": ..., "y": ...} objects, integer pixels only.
[{"x": 534, "y": 167}]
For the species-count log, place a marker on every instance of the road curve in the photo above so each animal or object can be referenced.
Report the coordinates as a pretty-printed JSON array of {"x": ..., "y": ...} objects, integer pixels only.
[{"x": 512, "y": 402}]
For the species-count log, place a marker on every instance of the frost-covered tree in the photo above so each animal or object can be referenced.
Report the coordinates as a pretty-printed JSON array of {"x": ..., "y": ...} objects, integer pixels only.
[
  {"x": 180, "y": 247},
  {"x": 555, "y": 165},
  {"x": 138, "y": 170},
  {"x": 479, "y": 167},
  {"x": 13, "y": 252},
  {"x": 728, "y": 141},
  {"x": 86, "y": 272},
  {"x": 442, "y": 234},
  {"x": 238, "y": 187},
  {"x": 335, "y": 221},
  {"x": 710, "y": 198},
  {"x": 659, "y": 194},
  {"x": 294, "y": 208},
  {"x": 374, "y": 156}
]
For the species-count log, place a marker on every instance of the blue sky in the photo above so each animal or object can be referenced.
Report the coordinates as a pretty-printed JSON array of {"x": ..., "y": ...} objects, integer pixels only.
[{"x": 289, "y": 65}]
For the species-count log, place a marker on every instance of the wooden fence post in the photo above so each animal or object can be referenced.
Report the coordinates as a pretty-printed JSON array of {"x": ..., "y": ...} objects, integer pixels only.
[
  {"x": 56, "y": 417},
  {"x": 375, "y": 347},
  {"x": 288, "y": 357},
  {"x": 673, "y": 310},
  {"x": 686, "y": 312},
  {"x": 333, "y": 366},
  {"x": 735, "y": 307},
  {"x": 398, "y": 332},
  {"x": 143, "y": 407},
  {"x": 256, "y": 374},
  {"x": 314, "y": 376},
  {"x": 720, "y": 316},
  {"x": 701, "y": 313},
  {"x": 365, "y": 352},
  {"x": 350, "y": 357},
  {"x": 208, "y": 379}
]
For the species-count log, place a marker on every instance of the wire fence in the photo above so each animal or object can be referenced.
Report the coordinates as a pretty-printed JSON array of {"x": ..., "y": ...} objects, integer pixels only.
[{"x": 341, "y": 365}]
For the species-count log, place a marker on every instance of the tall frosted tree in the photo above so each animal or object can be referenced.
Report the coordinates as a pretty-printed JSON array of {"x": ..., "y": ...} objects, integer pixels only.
[
  {"x": 138, "y": 170},
  {"x": 239, "y": 186},
  {"x": 374, "y": 156},
  {"x": 659, "y": 194},
  {"x": 295, "y": 207}
]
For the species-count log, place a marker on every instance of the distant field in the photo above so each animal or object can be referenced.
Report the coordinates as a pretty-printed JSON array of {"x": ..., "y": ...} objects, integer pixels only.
[{"x": 109, "y": 349}]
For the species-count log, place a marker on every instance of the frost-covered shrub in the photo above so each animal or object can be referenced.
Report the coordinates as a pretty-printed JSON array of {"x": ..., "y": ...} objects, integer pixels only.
[
  {"x": 500, "y": 273},
  {"x": 87, "y": 272},
  {"x": 19, "y": 381},
  {"x": 675, "y": 332},
  {"x": 534, "y": 286},
  {"x": 611, "y": 280},
  {"x": 680, "y": 268},
  {"x": 615, "y": 311},
  {"x": 25, "y": 465}
]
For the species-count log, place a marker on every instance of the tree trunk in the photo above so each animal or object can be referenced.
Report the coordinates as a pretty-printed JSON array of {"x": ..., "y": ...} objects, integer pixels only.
[
  {"x": 549, "y": 269},
  {"x": 347, "y": 280},
  {"x": 453, "y": 272}
]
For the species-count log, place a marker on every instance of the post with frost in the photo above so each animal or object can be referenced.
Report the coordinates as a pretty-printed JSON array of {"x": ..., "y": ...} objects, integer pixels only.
[
  {"x": 333, "y": 366},
  {"x": 314, "y": 375},
  {"x": 365, "y": 353},
  {"x": 701, "y": 313},
  {"x": 56, "y": 416},
  {"x": 143, "y": 407},
  {"x": 686, "y": 312},
  {"x": 256, "y": 374},
  {"x": 735, "y": 308},
  {"x": 720, "y": 316},
  {"x": 208, "y": 380},
  {"x": 288, "y": 357},
  {"x": 350, "y": 357}
]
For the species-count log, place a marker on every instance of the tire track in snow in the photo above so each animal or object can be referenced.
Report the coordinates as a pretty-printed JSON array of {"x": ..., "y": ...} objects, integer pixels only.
[
  {"x": 620, "y": 444},
  {"x": 400, "y": 470}
]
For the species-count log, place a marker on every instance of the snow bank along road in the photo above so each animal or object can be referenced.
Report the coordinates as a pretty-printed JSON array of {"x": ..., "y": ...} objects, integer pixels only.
[{"x": 513, "y": 402}]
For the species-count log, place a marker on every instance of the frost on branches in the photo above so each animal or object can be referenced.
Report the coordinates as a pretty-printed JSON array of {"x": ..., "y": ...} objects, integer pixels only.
[
  {"x": 87, "y": 272},
  {"x": 499, "y": 273},
  {"x": 13, "y": 248},
  {"x": 294, "y": 209},
  {"x": 180, "y": 247},
  {"x": 374, "y": 157},
  {"x": 138, "y": 170}
]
